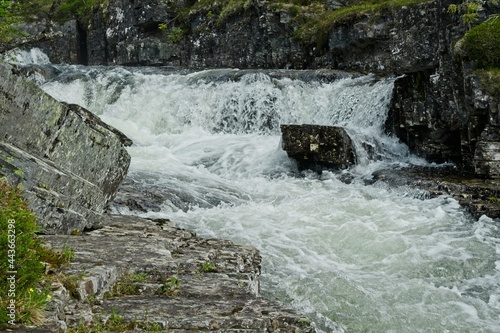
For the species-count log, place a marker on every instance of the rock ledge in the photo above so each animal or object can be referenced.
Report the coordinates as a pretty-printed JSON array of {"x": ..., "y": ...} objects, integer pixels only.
[{"x": 150, "y": 274}]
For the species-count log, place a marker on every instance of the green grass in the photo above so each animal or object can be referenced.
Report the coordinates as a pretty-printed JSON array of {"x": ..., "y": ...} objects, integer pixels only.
[
  {"x": 21, "y": 252},
  {"x": 25, "y": 255},
  {"x": 314, "y": 25}
]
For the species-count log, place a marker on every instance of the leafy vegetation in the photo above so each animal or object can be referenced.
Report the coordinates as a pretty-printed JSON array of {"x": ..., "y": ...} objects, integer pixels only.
[
  {"x": 8, "y": 19},
  {"x": 208, "y": 266},
  {"x": 22, "y": 256},
  {"x": 174, "y": 34},
  {"x": 469, "y": 10},
  {"x": 170, "y": 287}
]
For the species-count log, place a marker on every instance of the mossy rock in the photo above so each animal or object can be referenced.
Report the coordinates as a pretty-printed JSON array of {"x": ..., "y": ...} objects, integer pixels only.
[{"x": 482, "y": 44}]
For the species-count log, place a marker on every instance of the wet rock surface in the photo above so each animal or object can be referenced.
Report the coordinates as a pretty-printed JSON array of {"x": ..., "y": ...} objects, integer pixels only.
[
  {"x": 478, "y": 196},
  {"x": 316, "y": 147},
  {"x": 69, "y": 162},
  {"x": 150, "y": 274}
]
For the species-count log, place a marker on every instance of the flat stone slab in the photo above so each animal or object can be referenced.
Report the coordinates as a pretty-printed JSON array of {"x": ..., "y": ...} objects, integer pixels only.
[{"x": 150, "y": 274}]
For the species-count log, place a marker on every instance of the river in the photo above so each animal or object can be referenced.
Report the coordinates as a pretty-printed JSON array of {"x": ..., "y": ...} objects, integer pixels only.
[{"x": 353, "y": 257}]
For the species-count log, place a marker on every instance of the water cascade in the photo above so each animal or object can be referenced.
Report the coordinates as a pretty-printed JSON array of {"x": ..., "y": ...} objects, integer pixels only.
[{"x": 353, "y": 257}]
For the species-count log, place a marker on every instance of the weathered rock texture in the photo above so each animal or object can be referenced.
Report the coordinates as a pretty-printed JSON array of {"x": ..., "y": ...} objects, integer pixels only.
[
  {"x": 129, "y": 268},
  {"x": 68, "y": 161},
  {"x": 315, "y": 147}
]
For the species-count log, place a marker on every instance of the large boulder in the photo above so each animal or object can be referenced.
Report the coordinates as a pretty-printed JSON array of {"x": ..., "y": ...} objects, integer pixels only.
[
  {"x": 68, "y": 161},
  {"x": 317, "y": 147}
]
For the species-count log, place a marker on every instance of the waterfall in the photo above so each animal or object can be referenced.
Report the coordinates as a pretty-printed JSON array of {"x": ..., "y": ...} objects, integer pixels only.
[
  {"x": 239, "y": 102},
  {"x": 352, "y": 257}
]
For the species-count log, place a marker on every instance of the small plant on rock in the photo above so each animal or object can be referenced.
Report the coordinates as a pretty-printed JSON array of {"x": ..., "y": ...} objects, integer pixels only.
[
  {"x": 208, "y": 266},
  {"x": 170, "y": 287}
]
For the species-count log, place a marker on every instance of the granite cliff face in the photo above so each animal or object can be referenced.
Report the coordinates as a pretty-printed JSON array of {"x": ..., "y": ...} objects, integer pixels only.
[
  {"x": 439, "y": 107},
  {"x": 69, "y": 162}
]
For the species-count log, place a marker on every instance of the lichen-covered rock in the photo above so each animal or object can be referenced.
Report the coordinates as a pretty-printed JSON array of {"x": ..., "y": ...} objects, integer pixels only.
[
  {"x": 68, "y": 160},
  {"x": 316, "y": 147}
]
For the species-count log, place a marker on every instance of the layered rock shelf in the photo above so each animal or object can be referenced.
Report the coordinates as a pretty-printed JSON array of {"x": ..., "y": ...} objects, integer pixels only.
[{"x": 142, "y": 276}]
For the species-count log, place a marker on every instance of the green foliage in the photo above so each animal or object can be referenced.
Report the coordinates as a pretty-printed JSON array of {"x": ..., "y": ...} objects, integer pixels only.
[
  {"x": 469, "y": 10},
  {"x": 482, "y": 44},
  {"x": 8, "y": 19},
  {"x": 208, "y": 266},
  {"x": 170, "y": 287},
  {"x": 17, "y": 234},
  {"x": 175, "y": 34}
]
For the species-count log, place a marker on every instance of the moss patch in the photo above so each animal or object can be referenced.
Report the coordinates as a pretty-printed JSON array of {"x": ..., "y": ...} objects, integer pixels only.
[
  {"x": 482, "y": 44},
  {"x": 314, "y": 24}
]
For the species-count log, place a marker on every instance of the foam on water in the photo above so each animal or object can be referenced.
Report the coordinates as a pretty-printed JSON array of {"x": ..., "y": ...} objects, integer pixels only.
[{"x": 355, "y": 258}]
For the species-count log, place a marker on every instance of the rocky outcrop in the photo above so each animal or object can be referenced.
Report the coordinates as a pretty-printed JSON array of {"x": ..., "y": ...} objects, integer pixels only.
[
  {"x": 316, "y": 147},
  {"x": 69, "y": 162},
  {"x": 169, "y": 280}
]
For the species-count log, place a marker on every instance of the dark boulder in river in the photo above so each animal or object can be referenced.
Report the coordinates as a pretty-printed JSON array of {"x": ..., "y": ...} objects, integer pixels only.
[{"x": 316, "y": 147}]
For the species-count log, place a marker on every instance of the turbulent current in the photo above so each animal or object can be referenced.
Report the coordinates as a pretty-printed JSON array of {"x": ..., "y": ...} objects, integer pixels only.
[{"x": 352, "y": 257}]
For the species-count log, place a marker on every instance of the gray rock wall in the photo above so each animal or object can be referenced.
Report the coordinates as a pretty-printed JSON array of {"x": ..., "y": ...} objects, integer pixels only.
[{"x": 69, "y": 162}]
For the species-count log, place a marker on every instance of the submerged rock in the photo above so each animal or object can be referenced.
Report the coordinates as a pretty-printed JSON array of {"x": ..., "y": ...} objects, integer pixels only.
[
  {"x": 316, "y": 147},
  {"x": 478, "y": 196},
  {"x": 69, "y": 162}
]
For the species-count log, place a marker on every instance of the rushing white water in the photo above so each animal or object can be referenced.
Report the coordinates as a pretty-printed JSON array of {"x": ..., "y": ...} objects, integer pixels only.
[{"x": 354, "y": 257}]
